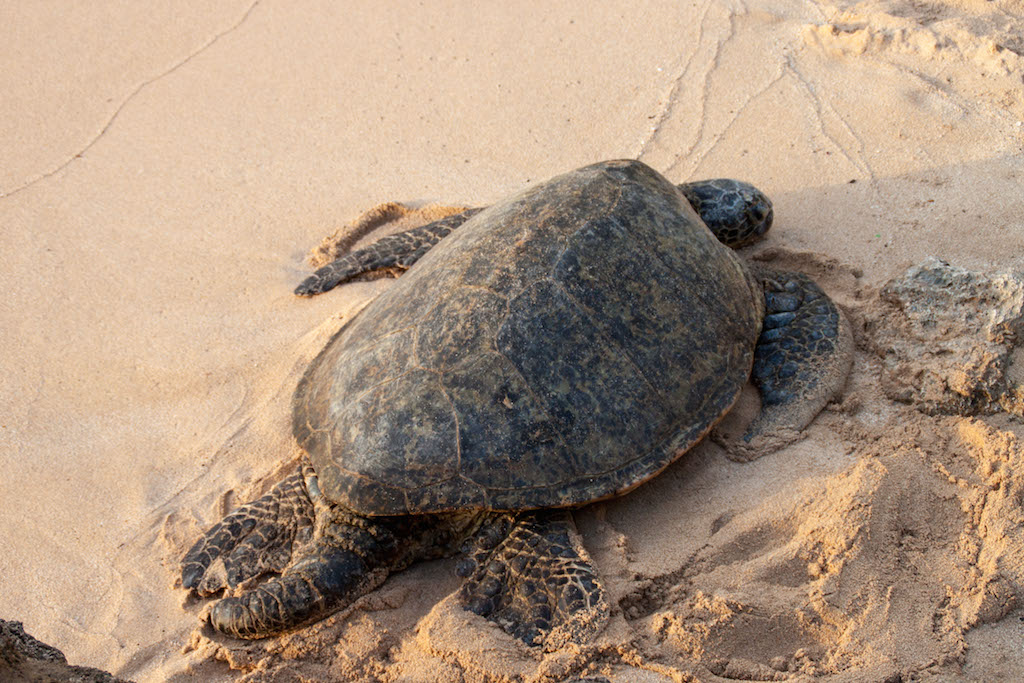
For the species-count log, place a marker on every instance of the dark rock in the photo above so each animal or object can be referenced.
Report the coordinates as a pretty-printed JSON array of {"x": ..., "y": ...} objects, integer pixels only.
[{"x": 23, "y": 658}]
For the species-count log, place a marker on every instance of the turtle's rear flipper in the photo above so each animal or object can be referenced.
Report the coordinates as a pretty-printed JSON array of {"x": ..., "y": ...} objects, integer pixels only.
[
  {"x": 532, "y": 576},
  {"x": 324, "y": 578},
  {"x": 257, "y": 537},
  {"x": 393, "y": 252},
  {"x": 327, "y": 557},
  {"x": 802, "y": 357}
]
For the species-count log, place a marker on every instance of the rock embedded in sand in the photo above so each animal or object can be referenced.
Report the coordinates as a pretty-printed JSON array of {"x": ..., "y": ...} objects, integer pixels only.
[
  {"x": 23, "y": 658},
  {"x": 948, "y": 339}
]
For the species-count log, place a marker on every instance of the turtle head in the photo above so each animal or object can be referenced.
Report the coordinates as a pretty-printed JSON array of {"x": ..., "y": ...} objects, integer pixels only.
[{"x": 737, "y": 212}]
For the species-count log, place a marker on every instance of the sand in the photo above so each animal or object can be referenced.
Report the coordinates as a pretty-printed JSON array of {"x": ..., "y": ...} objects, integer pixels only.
[{"x": 168, "y": 169}]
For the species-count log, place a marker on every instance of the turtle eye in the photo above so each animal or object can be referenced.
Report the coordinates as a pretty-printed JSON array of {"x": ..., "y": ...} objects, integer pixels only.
[{"x": 763, "y": 215}]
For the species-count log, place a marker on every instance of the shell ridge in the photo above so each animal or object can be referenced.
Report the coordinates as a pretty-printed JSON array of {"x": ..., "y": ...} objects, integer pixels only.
[
  {"x": 703, "y": 293},
  {"x": 678, "y": 442},
  {"x": 410, "y": 370},
  {"x": 458, "y": 425}
]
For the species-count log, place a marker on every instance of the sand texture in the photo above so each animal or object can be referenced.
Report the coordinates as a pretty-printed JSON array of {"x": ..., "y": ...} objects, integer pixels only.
[{"x": 169, "y": 170}]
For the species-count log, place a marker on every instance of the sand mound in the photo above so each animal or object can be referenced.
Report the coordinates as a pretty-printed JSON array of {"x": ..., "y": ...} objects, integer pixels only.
[{"x": 884, "y": 570}]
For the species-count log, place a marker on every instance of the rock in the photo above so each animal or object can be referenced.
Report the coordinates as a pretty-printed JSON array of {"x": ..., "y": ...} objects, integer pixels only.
[
  {"x": 23, "y": 658},
  {"x": 968, "y": 324}
]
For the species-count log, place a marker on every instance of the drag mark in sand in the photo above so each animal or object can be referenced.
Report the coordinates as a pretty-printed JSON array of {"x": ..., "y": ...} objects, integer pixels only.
[
  {"x": 124, "y": 103},
  {"x": 822, "y": 109},
  {"x": 709, "y": 44}
]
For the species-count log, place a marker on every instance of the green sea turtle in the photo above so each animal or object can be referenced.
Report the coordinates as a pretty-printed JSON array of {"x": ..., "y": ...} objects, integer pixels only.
[{"x": 560, "y": 347}]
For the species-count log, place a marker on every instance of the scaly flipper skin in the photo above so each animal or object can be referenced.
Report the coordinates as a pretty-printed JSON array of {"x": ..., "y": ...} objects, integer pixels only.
[
  {"x": 398, "y": 251},
  {"x": 532, "y": 576},
  {"x": 529, "y": 573},
  {"x": 326, "y": 556},
  {"x": 348, "y": 557},
  {"x": 803, "y": 354},
  {"x": 257, "y": 537}
]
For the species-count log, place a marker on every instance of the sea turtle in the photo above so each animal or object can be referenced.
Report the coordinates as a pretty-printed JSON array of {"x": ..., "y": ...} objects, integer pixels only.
[{"x": 560, "y": 347}]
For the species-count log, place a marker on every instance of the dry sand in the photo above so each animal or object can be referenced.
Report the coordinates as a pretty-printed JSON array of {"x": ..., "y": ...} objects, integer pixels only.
[{"x": 168, "y": 167}]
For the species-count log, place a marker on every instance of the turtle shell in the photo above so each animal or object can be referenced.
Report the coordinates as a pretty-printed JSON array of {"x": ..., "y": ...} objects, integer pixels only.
[{"x": 562, "y": 346}]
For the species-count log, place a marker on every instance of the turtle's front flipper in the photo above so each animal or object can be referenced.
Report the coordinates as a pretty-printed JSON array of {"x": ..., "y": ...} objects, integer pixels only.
[
  {"x": 532, "y": 576},
  {"x": 398, "y": 251},
  {"x": 803, "y": 355}
]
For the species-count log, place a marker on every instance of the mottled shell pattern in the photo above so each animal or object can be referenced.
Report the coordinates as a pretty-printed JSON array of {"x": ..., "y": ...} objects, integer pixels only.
[{"x": 562, "y": 346}]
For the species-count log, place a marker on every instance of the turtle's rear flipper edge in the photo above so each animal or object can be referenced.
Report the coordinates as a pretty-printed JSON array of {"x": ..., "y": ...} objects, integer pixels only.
[
  {"x": 537, "y": 582},
  {"x": 396, "y": 252}
]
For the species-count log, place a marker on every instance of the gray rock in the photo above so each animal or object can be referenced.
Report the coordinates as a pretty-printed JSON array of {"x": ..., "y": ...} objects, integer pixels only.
[{"x": 969, "y": 325}]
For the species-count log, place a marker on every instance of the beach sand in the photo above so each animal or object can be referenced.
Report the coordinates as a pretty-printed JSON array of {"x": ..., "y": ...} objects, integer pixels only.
[{"x": 169, "y": 167}]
